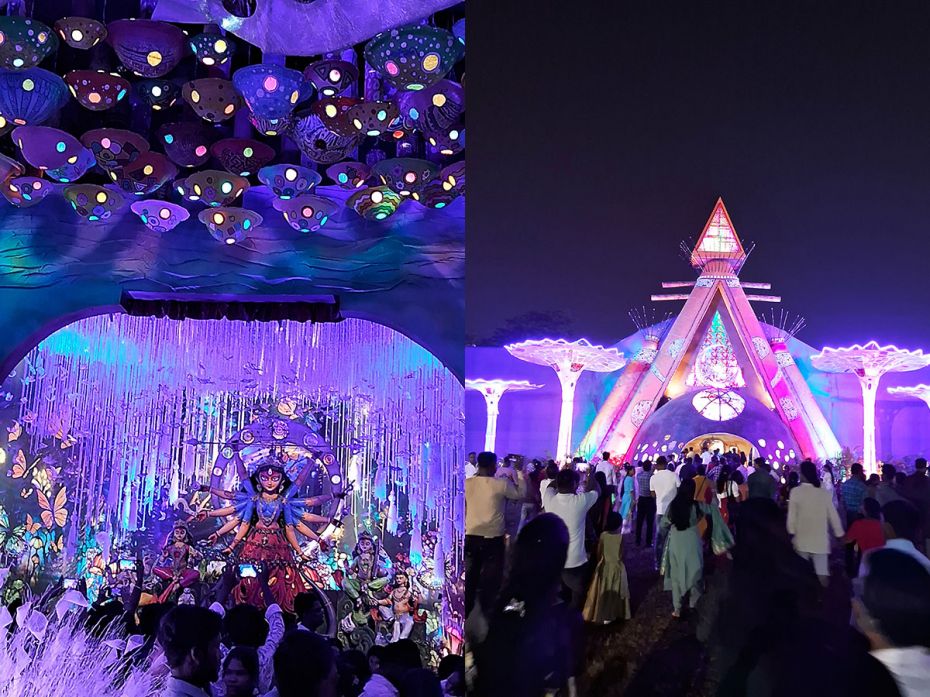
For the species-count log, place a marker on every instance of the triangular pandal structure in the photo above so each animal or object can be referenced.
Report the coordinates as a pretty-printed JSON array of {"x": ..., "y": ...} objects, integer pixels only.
[
  {"x": 718, "y": 241},
  {"x": 765, "y": 370}
]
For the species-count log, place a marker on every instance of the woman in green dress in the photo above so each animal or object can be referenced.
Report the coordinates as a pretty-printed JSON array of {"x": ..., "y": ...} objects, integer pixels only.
[{"x": 683, "y": 559}]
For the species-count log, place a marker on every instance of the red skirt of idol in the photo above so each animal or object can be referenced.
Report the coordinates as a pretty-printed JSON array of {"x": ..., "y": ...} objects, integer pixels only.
[{"x": 268, "y": 548}]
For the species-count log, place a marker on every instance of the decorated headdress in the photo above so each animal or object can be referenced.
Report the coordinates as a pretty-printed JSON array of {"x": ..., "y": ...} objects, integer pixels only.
[{"x": 280, "y": 461}]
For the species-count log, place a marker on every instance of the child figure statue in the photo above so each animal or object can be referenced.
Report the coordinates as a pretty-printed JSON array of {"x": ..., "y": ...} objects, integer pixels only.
[
  {"x": 178, "y": 562},
  {"x": 402, "y": 601}
]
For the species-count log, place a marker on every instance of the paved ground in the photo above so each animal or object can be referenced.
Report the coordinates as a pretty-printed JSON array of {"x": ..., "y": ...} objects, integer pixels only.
[{"x": 654, "y": 655}]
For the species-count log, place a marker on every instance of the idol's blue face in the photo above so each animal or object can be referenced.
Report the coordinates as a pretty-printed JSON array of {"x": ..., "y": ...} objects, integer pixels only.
[{"x": 270, "y": 479}]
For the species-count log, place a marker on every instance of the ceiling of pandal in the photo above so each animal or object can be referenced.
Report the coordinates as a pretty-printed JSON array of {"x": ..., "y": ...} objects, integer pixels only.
[{"x": 125, "y": 135}]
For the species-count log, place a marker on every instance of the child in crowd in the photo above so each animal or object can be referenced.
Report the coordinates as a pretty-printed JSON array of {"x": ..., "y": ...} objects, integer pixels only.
[
  {"x": 609, "y": 594},
  {"x": 866, "y": 533}
]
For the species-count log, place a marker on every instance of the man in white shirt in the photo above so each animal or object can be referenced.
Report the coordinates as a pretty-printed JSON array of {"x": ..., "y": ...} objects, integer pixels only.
[
  {"x": 607, "y": 468},
  {"x": 811, "y": 516},
  {"x": 471, "y": 468},
  {"x": 663, "y": 485},
  {"x": 486, "y": 497},
  {"x": 561, "y": 500},
  {"x": 190, "y": 638},
  {"x": 893, "y": 611},
  {"x": 706, "y": 457}
]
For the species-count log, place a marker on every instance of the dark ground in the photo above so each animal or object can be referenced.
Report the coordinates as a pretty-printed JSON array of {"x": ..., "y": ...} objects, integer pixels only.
[{"x": 654, "y": 655}]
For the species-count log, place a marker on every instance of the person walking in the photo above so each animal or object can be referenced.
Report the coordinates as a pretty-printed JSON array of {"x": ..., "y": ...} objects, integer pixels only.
[
  {"x": 645, "y": 504},
  {"x": 867, "y": 533},
  {"x": 853, "y": 493},
  {"x": 627, "y": 494},
  {"x": 485, "y": 500},
  {"x": 761, "y": 484},
  {"x": 562, "y": 499},
  {"x": 811, "y": 516},
  {"x": 663, "y": 485},
  {"x": 917, "y": 491},
  {"x": 683, "y": 557}
]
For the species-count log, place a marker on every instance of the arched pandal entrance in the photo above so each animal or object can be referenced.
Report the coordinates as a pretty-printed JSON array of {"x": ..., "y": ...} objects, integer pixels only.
[
  {"x": 741, "y": 421},
  {"x": 723, "y": 443}
]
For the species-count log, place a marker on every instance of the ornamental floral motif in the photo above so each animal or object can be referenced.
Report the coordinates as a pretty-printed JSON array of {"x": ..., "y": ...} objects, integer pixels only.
[
  {"x": 646, "y": 355},
  {"x": 789, "y": 407},
  {"x": 674, "y": 347},
  {"x": 784, "y": 358},
  {"x": 704, "y": 282},
  {"x": 733, "y": 282},
  {"x": 655, "y": 371},
  {"x": 640, "y": 411},
  {"x": 761, "y": 346}
]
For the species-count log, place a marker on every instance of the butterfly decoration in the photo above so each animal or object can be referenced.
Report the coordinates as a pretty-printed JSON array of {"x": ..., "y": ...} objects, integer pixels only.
[
  {"x": 6, "y": 398},
  {"x": 26, "y": 492},
  {"x": 68, "y": 441},
  {"x": 29, "y": 416},
  {"x": 11, "y": 539},
  {"x": 54, "y": 513},
  {"x": 19, "y": 468},
  {"x": 14, "y": 431},
  {"x": 32, "y": 526}
]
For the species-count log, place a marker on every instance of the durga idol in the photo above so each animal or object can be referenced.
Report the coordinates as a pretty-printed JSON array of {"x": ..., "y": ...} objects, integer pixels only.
[{"x": 267, "y": 517}]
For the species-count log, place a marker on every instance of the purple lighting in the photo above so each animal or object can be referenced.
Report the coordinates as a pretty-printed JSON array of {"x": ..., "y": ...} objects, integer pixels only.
[
  {"x": 869, "y": 363},
  {"x": 569, "y": 359},
  {"x": 493, "y": 390}
]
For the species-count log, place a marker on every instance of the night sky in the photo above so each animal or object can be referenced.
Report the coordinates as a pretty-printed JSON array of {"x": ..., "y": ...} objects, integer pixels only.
[{"x": 601, "y": 136}]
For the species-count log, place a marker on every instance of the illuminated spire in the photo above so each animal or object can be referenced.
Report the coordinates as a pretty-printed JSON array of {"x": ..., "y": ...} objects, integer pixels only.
[{"x": 718, "y": 241}]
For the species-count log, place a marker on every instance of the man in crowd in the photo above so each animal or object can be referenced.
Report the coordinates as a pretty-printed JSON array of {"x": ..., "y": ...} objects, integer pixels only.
[
  {"x": 471, "y": 467},
  {"x": 706, "y": 456},
  {"x": 607, "y": 467},
  {"x": 645, "y": 504},
  {"x": 893, "y": 611},
  {"x": 689, "y": 468},
  {"x": 901, "y": 523},
  {"x": 761, "y": 484},
  {"x": 485, "y": 500},
  {"x": 663, "y": 486},
  {"x": 917, "y": 491},
  {"x": 886, "y": 491},
  {"x": 190, "y": 638},
  {"x": 561, "y": 499}
]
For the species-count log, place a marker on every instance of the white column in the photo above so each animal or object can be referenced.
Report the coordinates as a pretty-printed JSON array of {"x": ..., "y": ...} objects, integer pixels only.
[
  {"x": 568, "y": 379},
  {"x": 869, "y": 384},
  {"x": 492, "y": 399}
]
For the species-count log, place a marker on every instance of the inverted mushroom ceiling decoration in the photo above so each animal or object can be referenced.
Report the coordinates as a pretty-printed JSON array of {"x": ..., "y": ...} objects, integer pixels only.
[
  {"x": 167, "y": 118},
  {"x": 299, "y": 28}
]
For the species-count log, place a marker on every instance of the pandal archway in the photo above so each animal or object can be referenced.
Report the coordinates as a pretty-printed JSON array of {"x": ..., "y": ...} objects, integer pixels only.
[{"x": 725, "y": 442}]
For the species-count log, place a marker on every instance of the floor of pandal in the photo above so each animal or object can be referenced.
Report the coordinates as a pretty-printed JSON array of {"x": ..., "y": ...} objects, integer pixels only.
[{"x": 654, "y": 655}]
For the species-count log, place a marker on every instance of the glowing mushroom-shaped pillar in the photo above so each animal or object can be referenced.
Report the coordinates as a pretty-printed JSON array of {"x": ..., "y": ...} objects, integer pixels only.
[
  {"x": 918, "y": 391},
  {"x": 569, "y": 359},
  {"x": 493, "y": 390},
  {"x": 869, "y": 363}
]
